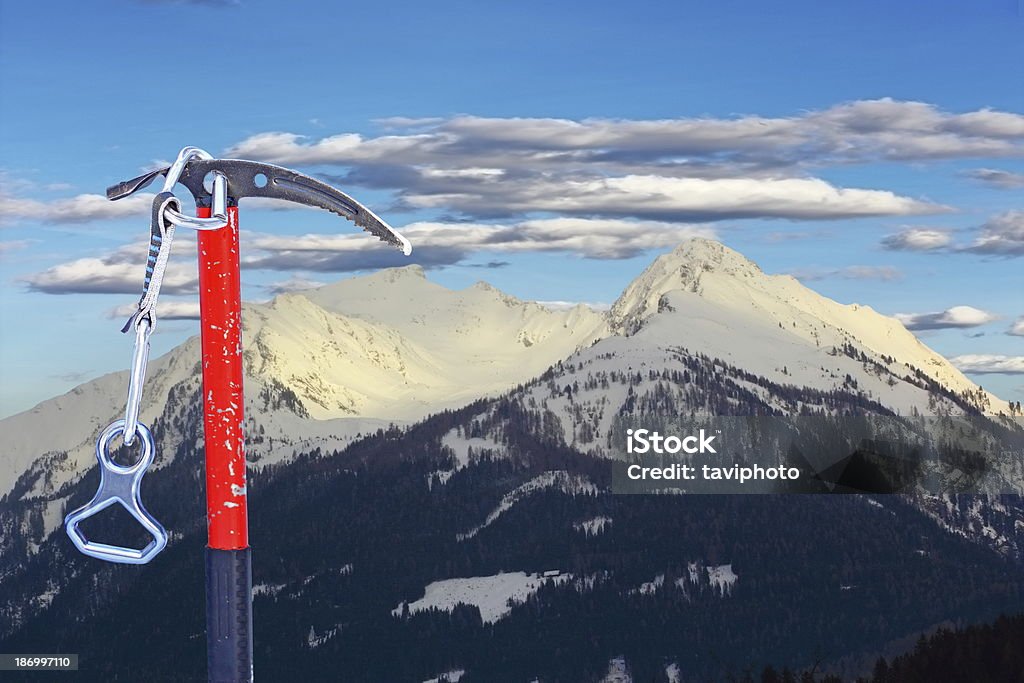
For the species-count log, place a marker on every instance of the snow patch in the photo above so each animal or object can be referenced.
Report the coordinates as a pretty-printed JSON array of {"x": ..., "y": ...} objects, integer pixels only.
[
  {"x": 722, "y": 578},
  {"x": 267, "y": 588},
  {"x": 618, "y": 672},
  {"x": 495, "y": 596},
  {"x": 43, "y": 600},
  {"x": 461, "y": 445},
  {"x": 593, "y": 526},
  {"x": 315, "y": 640},
  {"x": 440, "y": 477},
  {"x": 650, "y": 587}
]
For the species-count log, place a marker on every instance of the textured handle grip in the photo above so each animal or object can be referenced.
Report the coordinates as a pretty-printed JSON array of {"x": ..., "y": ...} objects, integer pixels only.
[{"x": 229, "y": 615}]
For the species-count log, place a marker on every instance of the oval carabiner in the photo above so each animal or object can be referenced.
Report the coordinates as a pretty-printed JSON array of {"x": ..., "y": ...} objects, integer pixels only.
[
  {"x": 119, "y": 484},
  {"x": 219, "y": 209}
]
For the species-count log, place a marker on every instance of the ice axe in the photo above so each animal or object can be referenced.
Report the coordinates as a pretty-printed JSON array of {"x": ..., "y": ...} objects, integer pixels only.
[{"x": 217, "y": 185}]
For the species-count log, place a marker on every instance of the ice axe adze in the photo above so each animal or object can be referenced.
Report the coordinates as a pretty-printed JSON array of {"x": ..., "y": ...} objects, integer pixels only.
[{"x": 217, "y": 186}]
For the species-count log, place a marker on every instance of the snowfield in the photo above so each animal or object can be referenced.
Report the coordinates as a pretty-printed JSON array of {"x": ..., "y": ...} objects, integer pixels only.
[{"x": 495, "y": 596}]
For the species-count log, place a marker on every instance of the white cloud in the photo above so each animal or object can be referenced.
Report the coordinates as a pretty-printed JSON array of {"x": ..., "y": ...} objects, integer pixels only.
[
  {"x": 688, "y": 169},
  {"x": 78, "y": 209},
  {"x": 346, "y": 148},
  {"x": 293, "y": 284},
  {"x": 859, "y": 131},
  {"x": 437, "y": 244},
  {"x": 1017, "y": 329},
  {"x": 1001, "y": 235},
  {"x": 406, "y": 122},
  {"x": 685, "y": 169},
  {"x": 1005, "y": 180},
  {"x": 8, "y": 246},
  {"x": 679, "y": 170},
  {"x": 167, "y": 309},
  {"x": 918, "y": 239},
  {"x": 954, "y": 317},
  {"x": 672, "y": 199},
  {"x": 119, "y": 272},
  {"x": 440, "y": 244},
  {"x": 989, "y": 364}
]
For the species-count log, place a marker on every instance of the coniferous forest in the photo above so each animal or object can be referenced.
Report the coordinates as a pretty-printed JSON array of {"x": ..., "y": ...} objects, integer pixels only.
[{"x": 343, "y": 539}]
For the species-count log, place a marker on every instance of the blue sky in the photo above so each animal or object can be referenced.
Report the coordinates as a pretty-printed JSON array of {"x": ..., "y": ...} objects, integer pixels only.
[{"x": 876, "y": 151}]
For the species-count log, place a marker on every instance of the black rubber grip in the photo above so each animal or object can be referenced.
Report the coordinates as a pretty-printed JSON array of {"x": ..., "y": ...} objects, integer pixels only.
[{"x": 229, "y": 615}]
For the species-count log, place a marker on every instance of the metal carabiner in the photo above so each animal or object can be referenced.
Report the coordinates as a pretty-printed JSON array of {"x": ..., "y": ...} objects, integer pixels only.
[
  {"x": 219, "y": 209},
  {"x": 119, "y": 484}
]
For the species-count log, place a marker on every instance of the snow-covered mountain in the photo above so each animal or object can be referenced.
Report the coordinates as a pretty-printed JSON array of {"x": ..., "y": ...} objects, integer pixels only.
[
  {"x": 705, "y": 302},
  {"x": 323, "y": 366},
  {"x": 717, "y": 302},
  {"x": 327, "y": 364}
]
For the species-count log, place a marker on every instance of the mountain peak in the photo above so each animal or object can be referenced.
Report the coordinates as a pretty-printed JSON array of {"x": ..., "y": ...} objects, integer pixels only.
[
  {"x": 707, "y": 255},
  {"x": 680, "y": 269},
  {"x": 414, "y": 270}
]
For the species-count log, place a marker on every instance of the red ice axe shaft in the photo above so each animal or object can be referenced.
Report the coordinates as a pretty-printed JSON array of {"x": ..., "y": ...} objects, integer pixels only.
[
  {"x": 220, "y": 302},
  {"x": 228, "y": 557}
]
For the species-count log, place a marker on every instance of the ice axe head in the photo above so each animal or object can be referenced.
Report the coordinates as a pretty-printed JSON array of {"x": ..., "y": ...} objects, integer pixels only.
[{"x": 255, "y": 179}]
